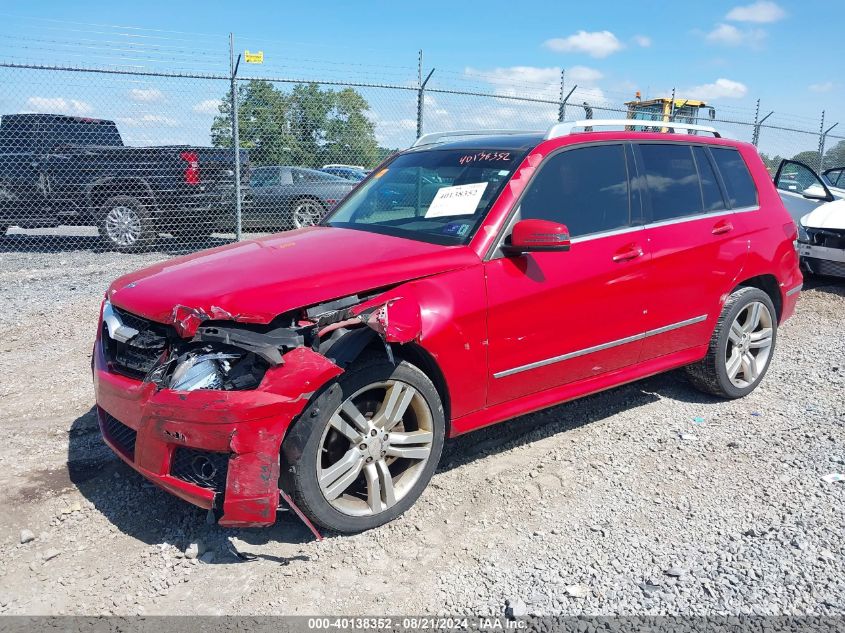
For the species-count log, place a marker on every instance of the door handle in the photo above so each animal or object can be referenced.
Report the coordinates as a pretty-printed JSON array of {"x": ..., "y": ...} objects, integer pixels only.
[
  {"x": 720, "y": 228},
  {"x": 632, "y": 251}
]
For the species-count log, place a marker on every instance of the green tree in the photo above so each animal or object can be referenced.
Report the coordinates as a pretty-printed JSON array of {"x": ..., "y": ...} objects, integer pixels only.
[
  {"x": 385, "y": 152},
  {"x": 771, "y": 162},
  {"x": 835, "y": 156},
  {"x": 305, "y": 126},
  {"x": 263, "y": 125},
  {"x": 809, "y": 158},
  {"x": 350, "y": 135}
]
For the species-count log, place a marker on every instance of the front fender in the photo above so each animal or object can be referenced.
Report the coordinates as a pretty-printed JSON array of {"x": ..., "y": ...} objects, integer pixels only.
[{"x": 446, "y": 316}]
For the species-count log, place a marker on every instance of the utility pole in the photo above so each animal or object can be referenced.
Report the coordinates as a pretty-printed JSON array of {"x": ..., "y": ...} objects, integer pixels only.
[
  {"x": 421, "y": 94},
  {"x": 672, "y": 107},
  {"x": 561, "y": 111},
  {"x": 822, "y": 144},
  {"x": 236, "y": 139},
  {"x": 755, "y": 139}
]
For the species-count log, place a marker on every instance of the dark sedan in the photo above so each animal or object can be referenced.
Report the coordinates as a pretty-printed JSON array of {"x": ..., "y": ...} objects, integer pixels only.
[{"x": 291, "y": 197}]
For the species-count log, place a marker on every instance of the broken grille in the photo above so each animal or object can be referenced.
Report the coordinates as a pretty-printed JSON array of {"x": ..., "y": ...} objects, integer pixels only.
[
  {"x": 119, "y": 434},
  {"x": 202, "y": 468},
  {"x": 829, "y": 238},
  {"x": 139, "y": 355}
]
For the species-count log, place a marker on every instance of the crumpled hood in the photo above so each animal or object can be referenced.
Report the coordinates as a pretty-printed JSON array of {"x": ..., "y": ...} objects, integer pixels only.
[
  {"x": 256, "y": 280},
  {"x": 830, "y": 215}
]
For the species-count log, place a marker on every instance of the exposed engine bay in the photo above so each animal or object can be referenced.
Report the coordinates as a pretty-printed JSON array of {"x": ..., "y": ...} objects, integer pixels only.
[{"x": 199, "y": 351}]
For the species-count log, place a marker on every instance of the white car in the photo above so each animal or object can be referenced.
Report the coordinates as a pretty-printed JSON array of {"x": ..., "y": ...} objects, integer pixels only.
[{"x": 818, "y": 207}]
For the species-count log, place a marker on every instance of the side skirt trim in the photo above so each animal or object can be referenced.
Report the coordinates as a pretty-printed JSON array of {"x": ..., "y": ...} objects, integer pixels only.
[{"x": 600, "y": 347}]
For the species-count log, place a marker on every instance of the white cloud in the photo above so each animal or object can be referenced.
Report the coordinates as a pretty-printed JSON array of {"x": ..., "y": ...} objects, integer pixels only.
[
  {"x": 395, "y": 132},
  {"x": 146, "y": 95},
  {"x": 209, "y": 106},
  {"x": 521, "y": 81},
  {"x": 719, "y": 89},
  {"x": 825, "y": 86},
  {"x": 597, "y": 44},
  {"x": 58, "y": 105},
  {"x": 729, "y": 35},
  {"x": 397, "y": 129},
  {"x": 760, "y": 12},
  {"x": 642, "y": 40},
  {"x": 582, "y": 75}
]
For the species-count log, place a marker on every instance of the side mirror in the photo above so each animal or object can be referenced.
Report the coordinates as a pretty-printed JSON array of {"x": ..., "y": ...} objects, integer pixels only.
[
  {"x": 825, "y": 196},
  {"x": 537, "y": 235}
]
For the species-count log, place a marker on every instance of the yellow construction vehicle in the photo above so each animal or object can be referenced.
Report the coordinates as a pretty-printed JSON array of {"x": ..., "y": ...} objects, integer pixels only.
[{"x": 668, "y": 109}]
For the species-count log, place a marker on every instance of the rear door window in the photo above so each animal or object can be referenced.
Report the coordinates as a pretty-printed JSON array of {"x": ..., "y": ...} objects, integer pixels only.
[
  {"x": 586, "y": 189},
  {"x": 740, "y": 186},
  {"x": 672, "y": 181}
]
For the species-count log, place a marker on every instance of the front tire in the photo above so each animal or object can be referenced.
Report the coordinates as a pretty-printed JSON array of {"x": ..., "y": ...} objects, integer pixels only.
[
  {"x": 126, "y": 224},
  {"x": 364, "y": 450},
  {"x": 741, "y": 347}
]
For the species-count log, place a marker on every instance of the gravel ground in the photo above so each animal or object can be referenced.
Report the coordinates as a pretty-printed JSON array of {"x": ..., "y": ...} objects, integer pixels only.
[{"x": 650, "y": 498}]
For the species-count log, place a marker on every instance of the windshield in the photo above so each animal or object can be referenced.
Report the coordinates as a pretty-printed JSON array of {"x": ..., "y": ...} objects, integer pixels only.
[{"x": 438, "y": 196}]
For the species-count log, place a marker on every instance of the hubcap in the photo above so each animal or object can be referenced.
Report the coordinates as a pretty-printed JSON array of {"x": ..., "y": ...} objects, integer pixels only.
[
  {"x": 374, "y": 448},
  {"x": 307, "y": 213},
  {"x": 123, "y": 226},
  {"x": 749, "y": 345}
]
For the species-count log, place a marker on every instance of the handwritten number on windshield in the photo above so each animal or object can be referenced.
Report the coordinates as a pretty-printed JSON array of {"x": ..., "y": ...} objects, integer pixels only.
[{"x": 484, "y": 157}]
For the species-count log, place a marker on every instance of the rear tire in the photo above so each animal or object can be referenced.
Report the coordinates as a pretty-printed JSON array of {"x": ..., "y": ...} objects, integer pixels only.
[
  {"x": 741, "y": 347},
  {"x": 363, "y": 451},
  {"x": 126, "y": 225}
]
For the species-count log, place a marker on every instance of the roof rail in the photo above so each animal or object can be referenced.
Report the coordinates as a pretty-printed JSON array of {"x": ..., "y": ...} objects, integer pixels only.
[
  {"x": 566, "y": 128},
  {"x": 436, "y": 137}
]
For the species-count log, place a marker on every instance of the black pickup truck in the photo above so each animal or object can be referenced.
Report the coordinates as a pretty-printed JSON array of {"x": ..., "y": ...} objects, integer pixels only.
[{"x": 63, "y": 170}]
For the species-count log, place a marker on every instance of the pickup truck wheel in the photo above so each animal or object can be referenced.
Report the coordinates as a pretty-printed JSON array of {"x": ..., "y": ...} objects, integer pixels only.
[
  {"x": 741, "y": 347},
  {"x": 125, "y": 224},
  {"x": 364, "y": 450},
  {"x": 307, "y": 212}
]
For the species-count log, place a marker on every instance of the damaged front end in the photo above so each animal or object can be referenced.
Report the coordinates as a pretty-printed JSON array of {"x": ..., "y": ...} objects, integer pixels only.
[{"x": 206, "y": 400}]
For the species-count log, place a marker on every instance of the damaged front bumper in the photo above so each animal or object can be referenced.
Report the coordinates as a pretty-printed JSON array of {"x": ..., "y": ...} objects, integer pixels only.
[{"x": 216, "y": 449}]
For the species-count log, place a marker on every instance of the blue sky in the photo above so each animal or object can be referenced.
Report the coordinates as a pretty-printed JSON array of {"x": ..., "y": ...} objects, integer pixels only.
[{"x": 729, "y": 53}]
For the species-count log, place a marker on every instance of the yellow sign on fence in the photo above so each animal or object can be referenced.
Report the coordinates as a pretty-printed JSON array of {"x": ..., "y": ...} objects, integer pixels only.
[{"x": 254, "y": 58}]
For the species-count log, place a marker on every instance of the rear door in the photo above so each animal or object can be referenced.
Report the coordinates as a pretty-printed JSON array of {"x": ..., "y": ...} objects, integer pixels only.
[
  {"x": 698, "y": 248},
  {"x": 559, "y": 317}
]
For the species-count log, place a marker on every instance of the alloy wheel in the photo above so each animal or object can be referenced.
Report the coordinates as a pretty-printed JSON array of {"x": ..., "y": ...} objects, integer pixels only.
[
  {"x": 749, "y": 344},
  {"x": 123, "y": 225},
  {"x": 374, "y": 448},
  {"x": 307, "y": 213}
]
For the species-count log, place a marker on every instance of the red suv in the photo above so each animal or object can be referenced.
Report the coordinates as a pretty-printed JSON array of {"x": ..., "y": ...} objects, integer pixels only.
[{"x": 468, "y": 280}]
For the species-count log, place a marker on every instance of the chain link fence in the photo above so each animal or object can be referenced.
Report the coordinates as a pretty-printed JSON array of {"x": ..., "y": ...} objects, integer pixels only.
[{"x": 139, "y": 153}]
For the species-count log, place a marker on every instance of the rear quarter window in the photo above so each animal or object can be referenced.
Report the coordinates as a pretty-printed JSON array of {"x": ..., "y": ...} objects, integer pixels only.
[{"x": 742, "y": 192}]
